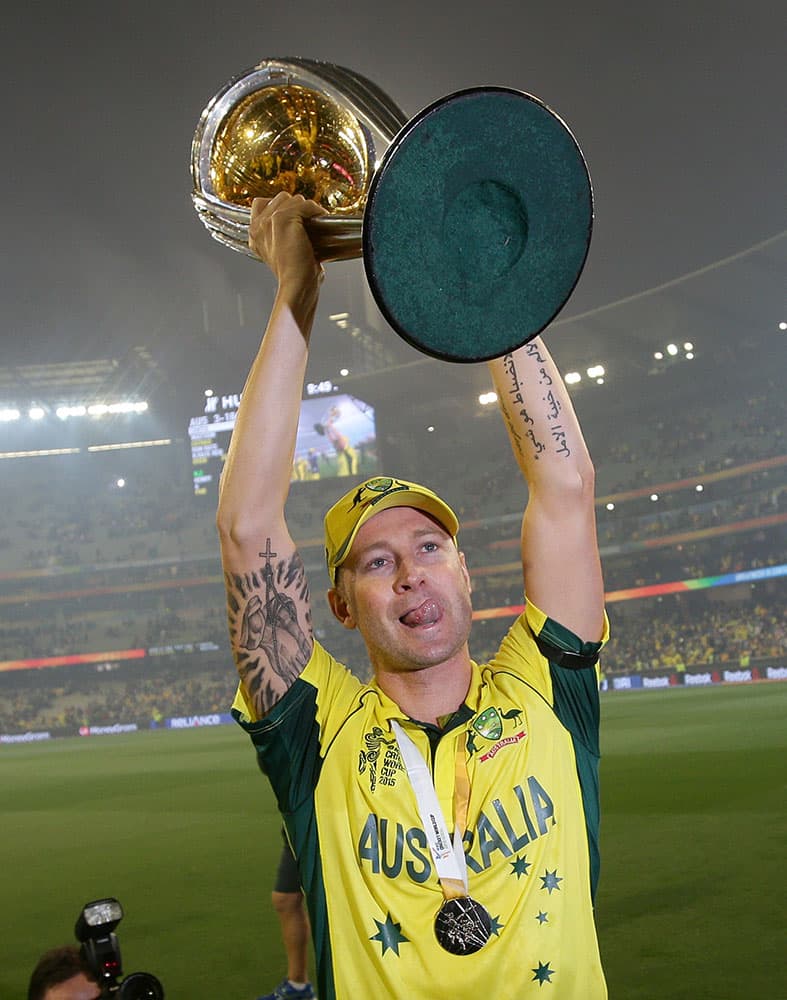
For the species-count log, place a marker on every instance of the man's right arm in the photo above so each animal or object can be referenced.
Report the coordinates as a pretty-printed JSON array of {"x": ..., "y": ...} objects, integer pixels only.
[{"x": 268, "y": 605}]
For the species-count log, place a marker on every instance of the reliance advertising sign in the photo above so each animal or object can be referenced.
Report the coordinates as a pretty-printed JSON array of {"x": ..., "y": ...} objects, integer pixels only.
[{"x": 193, "y": 721}]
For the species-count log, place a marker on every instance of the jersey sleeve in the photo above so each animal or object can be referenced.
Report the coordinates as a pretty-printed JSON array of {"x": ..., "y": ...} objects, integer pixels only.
[
  {"x": 292, "y": 738},
  {"x": 533, "y": 648}
]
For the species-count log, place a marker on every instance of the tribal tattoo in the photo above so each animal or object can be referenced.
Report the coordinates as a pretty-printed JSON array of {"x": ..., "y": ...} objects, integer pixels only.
[{"x": 271, "y": 649}]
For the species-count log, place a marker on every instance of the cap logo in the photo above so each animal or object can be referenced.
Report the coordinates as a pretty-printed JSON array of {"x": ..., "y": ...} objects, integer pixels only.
[{"x": 380, "y": 487}]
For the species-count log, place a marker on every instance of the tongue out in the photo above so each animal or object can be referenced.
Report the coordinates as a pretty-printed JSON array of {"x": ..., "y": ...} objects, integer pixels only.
[{"x": 426, "y": 614}]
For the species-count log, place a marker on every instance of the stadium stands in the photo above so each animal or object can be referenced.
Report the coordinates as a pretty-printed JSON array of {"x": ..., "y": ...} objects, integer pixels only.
[{"x": 115, "y": 592}]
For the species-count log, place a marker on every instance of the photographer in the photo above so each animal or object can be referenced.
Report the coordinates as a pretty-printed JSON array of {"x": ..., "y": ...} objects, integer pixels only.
[
  {"x": 93, "y": 970},
  {"x": 62, "y": 974}
]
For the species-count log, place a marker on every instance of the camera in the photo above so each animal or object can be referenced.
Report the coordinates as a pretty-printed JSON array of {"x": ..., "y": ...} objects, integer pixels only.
[{"x": 95, "y": 930}]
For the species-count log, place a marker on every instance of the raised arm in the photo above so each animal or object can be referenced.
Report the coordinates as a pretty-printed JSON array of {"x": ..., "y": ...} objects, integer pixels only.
[
  {"x": 560, "y": 557},
  {"x": 268, "y": 604}
]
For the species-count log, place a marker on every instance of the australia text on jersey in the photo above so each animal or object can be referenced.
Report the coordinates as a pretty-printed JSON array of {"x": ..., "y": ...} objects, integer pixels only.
[{"x": 385, "y": 846}]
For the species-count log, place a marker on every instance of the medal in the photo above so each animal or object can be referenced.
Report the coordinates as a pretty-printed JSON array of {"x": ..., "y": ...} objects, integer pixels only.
[{"x": 462, "y": 926}]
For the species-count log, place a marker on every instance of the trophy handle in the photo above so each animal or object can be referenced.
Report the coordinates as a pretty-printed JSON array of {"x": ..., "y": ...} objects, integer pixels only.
[{"x": 336, "y": 238}]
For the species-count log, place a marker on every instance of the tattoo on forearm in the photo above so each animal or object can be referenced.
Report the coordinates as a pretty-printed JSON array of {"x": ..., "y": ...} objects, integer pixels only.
[
  {"x": 549, "y": 421},
  {"x": 532, "y": 350},
  {"x": 271, "y": 649}
]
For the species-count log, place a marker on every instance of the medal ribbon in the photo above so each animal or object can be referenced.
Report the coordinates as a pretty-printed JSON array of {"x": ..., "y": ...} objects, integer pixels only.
[{"x": 448, "y": 855}]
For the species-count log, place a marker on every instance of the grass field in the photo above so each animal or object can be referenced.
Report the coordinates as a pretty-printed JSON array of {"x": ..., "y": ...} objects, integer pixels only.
[{"x": 181, "y": 828}]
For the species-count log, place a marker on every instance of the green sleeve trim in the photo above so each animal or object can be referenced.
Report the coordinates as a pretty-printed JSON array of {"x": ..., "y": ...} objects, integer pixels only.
[
  {"x": 576, "y": 703},
  {"x": 564, "y": 640},
  {"x": 287, "y": 742}
]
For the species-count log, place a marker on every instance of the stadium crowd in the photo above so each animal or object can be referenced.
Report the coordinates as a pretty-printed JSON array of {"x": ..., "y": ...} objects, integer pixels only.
[
  {"x": 678, "y": 637},
  {"x": 676, "y": 632},
  {"x": 91, "y": 566}
]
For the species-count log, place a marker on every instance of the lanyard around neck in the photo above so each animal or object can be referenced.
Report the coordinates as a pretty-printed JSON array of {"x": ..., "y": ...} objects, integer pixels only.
[{"x": 448, "y": 854}]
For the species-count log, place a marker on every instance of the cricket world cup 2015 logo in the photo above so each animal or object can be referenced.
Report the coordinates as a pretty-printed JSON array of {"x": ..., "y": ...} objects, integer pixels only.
[{"x": 379, "y": 758}]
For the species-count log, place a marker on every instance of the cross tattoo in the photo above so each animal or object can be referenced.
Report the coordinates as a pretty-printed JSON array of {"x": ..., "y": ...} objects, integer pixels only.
[
  {"x": 267, "y": 555},
  {"x": 273, "y": 599}
]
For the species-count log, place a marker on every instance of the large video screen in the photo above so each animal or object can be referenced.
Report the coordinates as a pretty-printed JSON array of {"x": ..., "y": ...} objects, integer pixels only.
[{"x": 336, "y": 437}]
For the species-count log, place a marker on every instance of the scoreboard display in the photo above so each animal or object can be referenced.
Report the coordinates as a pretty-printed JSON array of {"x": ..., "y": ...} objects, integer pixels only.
[{"x": 337, "y": 436}]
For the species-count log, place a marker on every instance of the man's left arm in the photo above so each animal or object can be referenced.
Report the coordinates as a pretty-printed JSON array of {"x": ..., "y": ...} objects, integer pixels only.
[{"x": 560, "y": 557}]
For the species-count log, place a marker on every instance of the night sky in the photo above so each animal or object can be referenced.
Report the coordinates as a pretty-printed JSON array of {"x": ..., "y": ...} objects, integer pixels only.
[{"x": 679, "y": 110}]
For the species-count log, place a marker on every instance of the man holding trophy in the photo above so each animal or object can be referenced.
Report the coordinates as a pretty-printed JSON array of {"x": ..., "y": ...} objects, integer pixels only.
[{"x": 444, "y": 817}]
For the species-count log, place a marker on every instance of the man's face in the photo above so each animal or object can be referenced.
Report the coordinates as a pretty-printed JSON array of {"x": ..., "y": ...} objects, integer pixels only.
[
  {"x": 406, "y": 588},
  {"x": 79, "y": 987}
]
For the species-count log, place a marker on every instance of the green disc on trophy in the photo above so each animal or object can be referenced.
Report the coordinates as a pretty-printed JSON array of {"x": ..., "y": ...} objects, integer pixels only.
[{"x": 477, "y": 224}]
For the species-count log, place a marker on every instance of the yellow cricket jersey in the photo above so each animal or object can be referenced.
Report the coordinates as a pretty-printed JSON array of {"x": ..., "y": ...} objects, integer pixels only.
[{"x": 531, "y": 843}]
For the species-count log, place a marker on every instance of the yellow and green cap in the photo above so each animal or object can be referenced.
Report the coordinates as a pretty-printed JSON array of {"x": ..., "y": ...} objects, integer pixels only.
[{"x": 344, "y": 519}]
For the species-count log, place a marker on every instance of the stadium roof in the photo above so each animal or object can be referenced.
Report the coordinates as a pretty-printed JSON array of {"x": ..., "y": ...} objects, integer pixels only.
[{"x": 134, "y": 375}]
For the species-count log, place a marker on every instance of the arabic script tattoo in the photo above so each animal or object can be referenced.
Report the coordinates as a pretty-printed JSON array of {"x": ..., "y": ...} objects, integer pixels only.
[{"x": 530, "y": 427}]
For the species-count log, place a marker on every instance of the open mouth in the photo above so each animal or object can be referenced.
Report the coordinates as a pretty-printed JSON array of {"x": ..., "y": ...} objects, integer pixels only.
[{"x": 426, "y": 613}]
